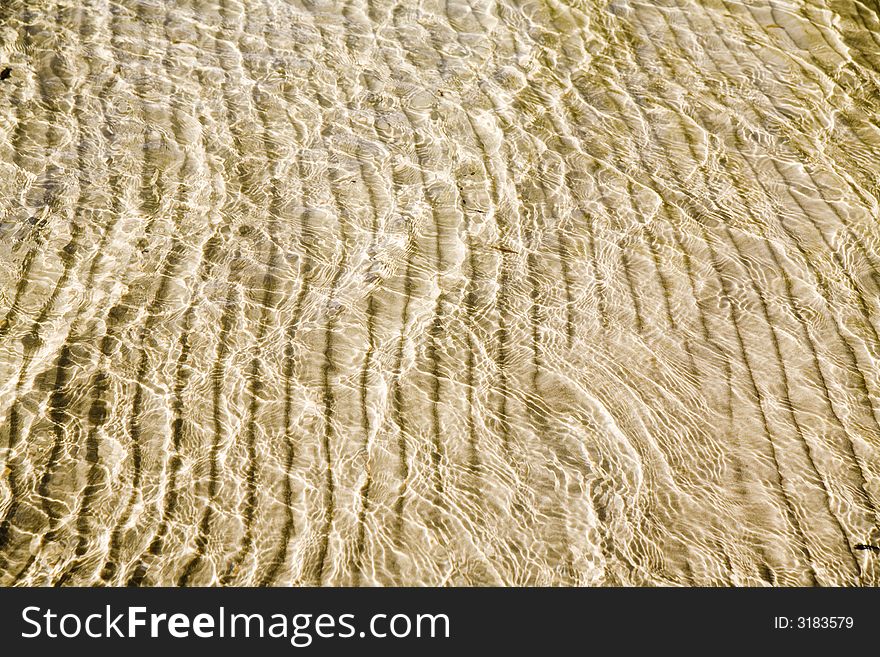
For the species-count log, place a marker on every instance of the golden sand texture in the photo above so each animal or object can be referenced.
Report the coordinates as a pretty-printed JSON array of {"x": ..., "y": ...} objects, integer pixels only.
[{"x": 422, "y": 292}]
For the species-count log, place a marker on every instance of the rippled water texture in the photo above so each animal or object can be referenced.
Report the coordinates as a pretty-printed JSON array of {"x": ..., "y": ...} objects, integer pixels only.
[{"x": 451, "y": 293}]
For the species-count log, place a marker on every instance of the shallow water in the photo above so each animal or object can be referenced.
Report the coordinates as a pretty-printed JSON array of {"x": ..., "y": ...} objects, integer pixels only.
[{"x": 456, "y": 293}]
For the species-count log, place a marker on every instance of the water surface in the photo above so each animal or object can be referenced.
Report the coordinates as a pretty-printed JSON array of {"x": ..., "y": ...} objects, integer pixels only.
[{"x": 439, "y": 293}]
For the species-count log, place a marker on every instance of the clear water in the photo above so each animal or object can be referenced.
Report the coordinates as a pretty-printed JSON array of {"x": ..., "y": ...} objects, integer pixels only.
[{"x": 449, "y": 293}]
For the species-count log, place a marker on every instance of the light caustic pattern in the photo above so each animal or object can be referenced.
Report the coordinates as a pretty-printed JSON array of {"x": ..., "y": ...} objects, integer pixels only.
[{"x": 439, "y": 292}]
